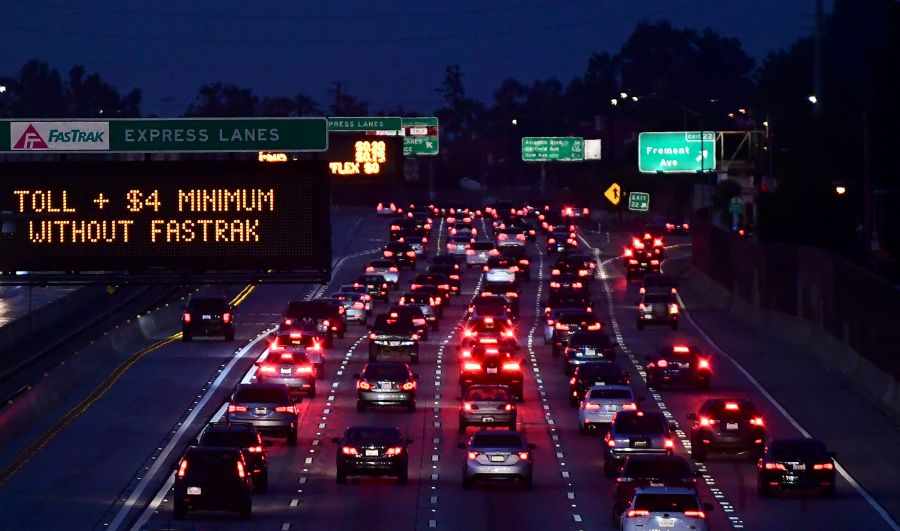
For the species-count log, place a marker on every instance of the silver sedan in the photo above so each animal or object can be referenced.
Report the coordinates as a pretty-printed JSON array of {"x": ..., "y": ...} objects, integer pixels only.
[{"x": 498, "y": 455}]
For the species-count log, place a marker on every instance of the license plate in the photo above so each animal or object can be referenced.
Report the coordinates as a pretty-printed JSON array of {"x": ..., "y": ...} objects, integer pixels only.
[
  {"x": 610, "y": 407},
  {"x": 261, "y": 411},
  {"x": 487, "y": 419},
  {"x": 206, "y": 317},
  {"x": 498, "y": 458},
  {"x": 800, "y": 467},
  {"x": 597, "y": 382},
  {"x": 666, "y": 522},
  {"x": 590, "y": 352},
  {"x": 285, "y": 372},
  {"x": 371, "y": 453},
  {"x": 194, "y": 491},
  {"x": 394, "y": 343},
  {"x": 492, "y": 370},
  {"x": 731, "y": 426},
  {"x": 639, "y": 444},
  {"x": 657, "y": 484}
]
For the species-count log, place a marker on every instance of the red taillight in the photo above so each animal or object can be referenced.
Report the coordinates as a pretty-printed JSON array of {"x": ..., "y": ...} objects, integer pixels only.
[
  {"x": 657, "y": 242},
  {"x": 326, "y": 322},
  {"x": 470, "y": 252},
  {"x": 705, "y": 421},
  {"x": 392, "y": 269},
  {"x": 662, "y": 364},
  {"x": 703, "y": 364},
  {"x": 642, "y": 307},
  {"x": 493, "y": 252},
  {"x": 288, "y": 322},
  {"x": 467, "y": 406},
  {"x": 467, "y": 354},
  {"x": 419, "y": 322},
  {"x": 554, "y": 284},
  {"x": 823, "y": 466},
  {"x": 595, "y": 326},
  {"x": 775, "y": 466},
  {"x": 372, "y": 336},
  {"x": 187, "y": 317},
  {"x": 695, "y": 514},
  {"x": 757, "y": 421},
  {"x": 468, "y": 332},
  {"x": 523, "y": 456},
  {"x": 296, "y": 335},
  {"x": 551, "y": 241},
  {"x": 488, "y": 320},
  {"x": 634, "y": 513},
  {"x": 681, "y": 348},
  {"x": 388, "y": 254},
  {"x": 285, "y": 409},
  {"x": 524, "y": 262},
  {"x": 509, "y": 407},
  {"x": 471, "y": 366},
  {"x": 409, "y": 386},
  {"x": 732, "y": 406},
  {"x": 304, "y": 369},
  {"x": 632, "y": 262},
  {"x": 411, "y": 254},
  {"x": 473, "y": 456},
  {"x": 555, "y": 272},
  {"x": 590, "y": 406},
  {"x": 240, "y": 470},
  {"x": 268, "y": 369},
  {"x": 572, "y": 381},
  {"x": 394, "y": 451},
  {"x": 511, "y": 366},
  {"x": 236, "y": 409},
  {"x": 226, "y": 317},
  {"x": 182, "y": 468},
  {"x": 668, "y": 443},
  {"x": 255, "y": 449},
  {"x": 358, "y": 305},
  {"x": 349, "y": 450},
  {"x": 562, "y": 326},
  {"x": 631, "y": 406},
  {"x": 610, "y": 441},
  {"x": 629, "y": 252},
  {"x": 370, "y": 269},
  {"x": 363, "y": 385},
  {"x": 673, "y": 309}
]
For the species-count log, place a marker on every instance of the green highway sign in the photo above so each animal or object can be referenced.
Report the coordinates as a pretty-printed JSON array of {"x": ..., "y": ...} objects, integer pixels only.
[
  {"x": 365, "y": 123},
  {"x": 420, "y": 136},
  {"x": 677, "y": 152},
  {"x": 552, "y": 148},
  {"x": 639, "y": 201},
  {"x": 164, "y": 135}
]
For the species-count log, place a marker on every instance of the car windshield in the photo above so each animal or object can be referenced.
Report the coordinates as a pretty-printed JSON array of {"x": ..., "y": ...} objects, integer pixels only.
[
  {"x": 261, "y": 394},
  {"x": 496, "y": 440},
  {"x": 210, "y": 464},
  {"x": 207, "y": 305},
  {"x": 238, "y": 439},
  {"x": 372, "y": 435},
  {"x": 487, "y": 395},
  {"x": 386, "y": 371},
  {"x": 810, "y": 450},
  {"x": 482, "y": 246},
  {"x": 639, "y": 424},
  {"x": 656, "y": 468},
  {"x": 671, "y": 503},
  {"x": 620, "y": 394}
]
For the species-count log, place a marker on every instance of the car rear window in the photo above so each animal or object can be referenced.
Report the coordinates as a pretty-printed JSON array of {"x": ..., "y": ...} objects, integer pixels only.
[
  {"x": 595, "y": 371},
  {"x": 238, "y": 439},
  {"x": 582, "y": 339},
  {"x": 392, "y": 371},
  {"x": 482, "y": 246},
  {"x": 656, "y": 468},
  {"x": 674, "y": 503},
  {"x": 497, "y": 440},
  {"x": 372, "y": 434},
  {"x": 207, "y": 305},
  {"x": 576, "y": 317},
  {"x": 386, "y": 323},
  {"x": 798, "y": 450},
  {"x": 652, "y": 299},
  {"x": 261, "y": 395},
  {"x": 640, "y": 425},
  {"x": 209, "y": 464},
  {"x": 382, "y": 264},
  {"x": 620, "y": 394},
  {"x": 487, "y": 395}
]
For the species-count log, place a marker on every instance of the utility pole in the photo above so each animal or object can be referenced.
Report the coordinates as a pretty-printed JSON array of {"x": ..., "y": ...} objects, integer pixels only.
[{"x": 818, "y": 60}]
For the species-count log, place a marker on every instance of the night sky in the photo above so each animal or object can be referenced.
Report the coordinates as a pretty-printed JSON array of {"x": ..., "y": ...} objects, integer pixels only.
[{"x": 389, "y": 52}]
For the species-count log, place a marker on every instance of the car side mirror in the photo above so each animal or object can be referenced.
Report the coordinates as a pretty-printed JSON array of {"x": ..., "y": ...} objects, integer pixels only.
[
  {"x": 532, "y": 446},
  {"x": 461, "y": 446},
  {"x": 409, "y": 440},
  {"x": 692, "y": 416},
  {"x": 708, "y": 507},
  {"x": 356, "y": 375},
  {"x": 336, "y": 440}
]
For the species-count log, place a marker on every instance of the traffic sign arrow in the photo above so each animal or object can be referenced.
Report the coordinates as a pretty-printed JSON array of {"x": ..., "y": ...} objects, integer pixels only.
[{"x": 613, "y": 193}]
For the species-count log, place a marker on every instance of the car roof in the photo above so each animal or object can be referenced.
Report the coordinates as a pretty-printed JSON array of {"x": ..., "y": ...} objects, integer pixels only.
[
  {"x": 666, "y": 490},
  {"x": 617, "y": 387}
]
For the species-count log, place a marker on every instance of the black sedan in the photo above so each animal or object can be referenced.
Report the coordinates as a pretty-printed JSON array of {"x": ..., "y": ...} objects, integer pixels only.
[
  {"x": 372, "y": 451},
  {"x": 796, "y": 464}
]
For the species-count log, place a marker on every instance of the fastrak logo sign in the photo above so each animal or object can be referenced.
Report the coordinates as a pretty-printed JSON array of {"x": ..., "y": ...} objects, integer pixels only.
[{"x": 59, "y": 136}]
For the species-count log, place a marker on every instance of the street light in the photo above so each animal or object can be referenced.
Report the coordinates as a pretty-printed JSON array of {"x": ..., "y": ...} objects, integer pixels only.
[
  {"x": 614, "y": 102},
  {"x": 2, "y": 89},
  {"x": 623, "y": 95},
  {"x": 813, "y": 99},
  {"x": 515, "y": 122},
  {"x": 841, "y": 190}
]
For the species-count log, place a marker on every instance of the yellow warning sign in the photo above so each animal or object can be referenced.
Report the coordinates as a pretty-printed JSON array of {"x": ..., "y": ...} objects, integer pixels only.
[{"x": 614, "y": 194}]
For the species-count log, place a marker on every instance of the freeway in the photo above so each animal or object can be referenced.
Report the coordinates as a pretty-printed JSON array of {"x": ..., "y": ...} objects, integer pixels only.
[{"x": 111, "y": 468}]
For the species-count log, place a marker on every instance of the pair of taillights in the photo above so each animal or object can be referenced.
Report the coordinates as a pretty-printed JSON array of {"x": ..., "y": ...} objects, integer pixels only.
[
  {"x": 390, "y": 452},
  {"x": 273, "y": 369},
  {"x": 635, "y": 513},
  {"x": 233, "y": 408},
  {"x": 363, "y": 385},
  {"x": 507, "y": 366},
  {"x": 524, "y": 456},
  {"x": 183, "y": 467},
  {"x": 817, "y": 466},
  {"x": 468, "y": 406},
  {"x": 591, "y": 406},
  {"x": 226, "y": 317}
]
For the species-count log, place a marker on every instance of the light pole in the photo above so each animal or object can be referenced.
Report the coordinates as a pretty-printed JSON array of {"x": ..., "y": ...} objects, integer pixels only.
[{"x": 770, "y": 136}]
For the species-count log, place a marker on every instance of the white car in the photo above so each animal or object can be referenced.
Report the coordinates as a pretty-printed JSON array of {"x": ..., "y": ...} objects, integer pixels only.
[
  {"x": 479, "y": 252},
  {"x": 361, "y": 290},
  {"x": 386, "y": 268},
  {"x": 458, "y": 245},
  {"x": 601, "y": 403},
  {"x": 354, "y": 306},
  {"x": 500, "y": 274},
  {"x": 675, "y": 508}
]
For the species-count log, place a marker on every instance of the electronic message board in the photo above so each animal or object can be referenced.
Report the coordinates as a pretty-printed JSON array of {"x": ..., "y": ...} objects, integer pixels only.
[
  {"x": 195, "y": 216},
  {"x": 360, "y": 155}
]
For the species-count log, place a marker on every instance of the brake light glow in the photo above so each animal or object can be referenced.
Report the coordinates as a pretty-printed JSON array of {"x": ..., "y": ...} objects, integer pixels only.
[
  {"x": 349, "y": 450},
  {"x": 554, "y": 284},
  {"x": 673, "y": 309},
  {"x": 572, "y": 381},
  {"x": 240, "y": 470},
  {"x": 757, "y": 421},
  {"x": 634, "y": 513},
  {"x": 732, "y": 406},
  {"x": 562, "y": 326},
  {"x": 296, "y": 335},
  {"x": 285, "y": 409},
  {"x": 511, "y": 366},
  {"x": 823, "y": 466},
  {"x": 304, "y": 369},
  {"x": 394, "y": 450},
  {"x": 680, "y": 348},
  {"x": 268, "y": 369},
  {"x": 473, "y": 456},
  {"x": 187, "y": 318},
  {"x": 590, "y": 406},
  {"x": 370, "y": 269},
  {"x": 182, "y": 468},
  {"x": 657, "y": 242},
  {"x": 523, "y": 456},
  {"x": 631, "y": 406},
  {"x": 668, "y": 443},
  {"x": 703, "y": 364},
  {"x": 470, "y": 252},
  {"x": 775, "y": 466},
  {"x": 392, "y": 269},
  {"x": 467, "y": 406},
  {"x": 705, "y": 421},
  {"x": 508, "y": 407},
  {"x": 255, "y": 449},
  {"x": 226, "y": 317},
  {"x": 409, "y": 386},
  {"x": 629, "y": 252},
  {"x": 471, "y": 366},
  {"x": 388, "y": 254},
  {"x": 236, "y": 409},
  {"x": 595, "y": 326},
  {"x": 695, "y": 514},
  {"x": 662, "y": 363},
  {"x": 363, "y": 385}
]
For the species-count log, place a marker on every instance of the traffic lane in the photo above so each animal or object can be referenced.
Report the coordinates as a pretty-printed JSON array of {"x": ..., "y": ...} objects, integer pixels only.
[
  {"x": 139, "y": 410},
  {"x": 736, "y": 475},
  {"x": 295, "y": 472},
  {"x": 496, "y": 505}
]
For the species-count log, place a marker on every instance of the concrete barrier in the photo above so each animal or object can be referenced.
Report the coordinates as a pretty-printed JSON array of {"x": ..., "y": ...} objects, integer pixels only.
[
  {"x": 810, "y": 336},
  {"x": 50, "y": 315}
]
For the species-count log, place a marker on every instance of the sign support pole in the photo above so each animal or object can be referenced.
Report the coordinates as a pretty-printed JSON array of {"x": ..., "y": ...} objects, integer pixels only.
[{"x": 543, "y": 183}]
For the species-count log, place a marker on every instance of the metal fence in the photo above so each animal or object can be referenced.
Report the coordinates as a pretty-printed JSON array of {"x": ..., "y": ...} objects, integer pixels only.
[{"x": 855, "y": 306}]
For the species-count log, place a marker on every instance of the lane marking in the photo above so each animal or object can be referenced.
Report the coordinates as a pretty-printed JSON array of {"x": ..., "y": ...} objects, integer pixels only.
[{"x": 882, "y": 512}]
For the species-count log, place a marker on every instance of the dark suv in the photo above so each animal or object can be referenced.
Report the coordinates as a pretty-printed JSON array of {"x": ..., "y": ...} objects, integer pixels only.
[
  {"x": 207, "y": 316},
  {"x": 327, "y": 317},
  {"x": 372, "y": 451},
  {"x": 595, "y": 373},
  {"x": 728, "y": 426},
  {"x": 213, "y": 478},
  {"x": 245, "y": 437},
  {"x": 395, "y": 334},
  {"x": 585, "y": 347}
]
